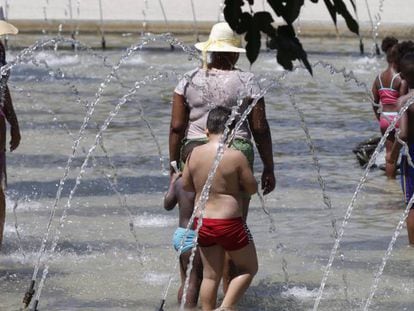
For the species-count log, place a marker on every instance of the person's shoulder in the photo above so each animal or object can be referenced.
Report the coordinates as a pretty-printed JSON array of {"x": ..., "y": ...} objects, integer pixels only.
[
  {"x": 247, "y": 79},
  {"x": 236, "y": 156},
  {"x": 191, "y": 73},
  {"x": 192, "y": 157},
  {"x": 240, "y": 72},
  {"x": 183, "y": 81}
]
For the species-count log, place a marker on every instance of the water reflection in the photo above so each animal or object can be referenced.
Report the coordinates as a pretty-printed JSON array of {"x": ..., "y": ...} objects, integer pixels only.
[{"x": 96, "y": 255}]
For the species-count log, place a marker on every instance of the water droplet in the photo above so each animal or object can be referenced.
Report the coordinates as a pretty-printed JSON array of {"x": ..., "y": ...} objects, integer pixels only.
[{"x": 280, "y": 247}]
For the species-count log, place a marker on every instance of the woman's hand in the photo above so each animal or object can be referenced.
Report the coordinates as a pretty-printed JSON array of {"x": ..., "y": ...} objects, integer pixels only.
[
  {"x": 15, "y": 138},
  {"x": 268, "y": 181}
]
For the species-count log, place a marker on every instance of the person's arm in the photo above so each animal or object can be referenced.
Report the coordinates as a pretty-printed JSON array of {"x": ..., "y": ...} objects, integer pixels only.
[
  {"x": 170, "y": 198},
  {"x": 376, "y": 98},
  {"x": 12, "y": 119},
  {"x": 262, "y": 137},
  {"x": 403, "y": 87},
  {"x": 178, "y": 126},
  {"x": 247, "y": 181},
  {"x": 392, "y": 157}
]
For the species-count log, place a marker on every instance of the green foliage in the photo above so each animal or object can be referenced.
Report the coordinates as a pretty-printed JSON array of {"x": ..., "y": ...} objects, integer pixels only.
[
  {"x": 289, "y": 10},
  {"x": 283, "y": 39}
]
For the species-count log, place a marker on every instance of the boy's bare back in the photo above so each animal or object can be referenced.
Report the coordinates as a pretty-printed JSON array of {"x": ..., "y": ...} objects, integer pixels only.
[{"x": 233, "y": 176}]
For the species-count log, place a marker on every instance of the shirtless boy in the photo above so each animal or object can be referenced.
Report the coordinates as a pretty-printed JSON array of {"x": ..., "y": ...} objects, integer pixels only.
[
  {"x": 183, "y": 239},
  {"x": 406, "y": 134},
  {"x": 223, "y": 228}
]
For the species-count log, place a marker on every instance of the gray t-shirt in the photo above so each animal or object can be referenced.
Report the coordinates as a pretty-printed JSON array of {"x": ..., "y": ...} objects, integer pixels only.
[{"x": 206, "y": 89}]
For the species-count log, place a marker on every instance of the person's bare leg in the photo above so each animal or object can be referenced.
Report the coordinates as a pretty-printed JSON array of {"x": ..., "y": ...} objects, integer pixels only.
[
  {"x": 2, "y": 197},
  {"x": 213, "y": 259},
  {"x": 196, "y": 277},
  {"x": 410, "y": 226},
  {"x": 229, "y": 272},
  {"x": 391, "y": 173},
  {"x": 229, "y": 269},
  {"x": 2, "y": 213},
  {"x": 245, "y": 260},
  {"x": 182, "y": 277}
]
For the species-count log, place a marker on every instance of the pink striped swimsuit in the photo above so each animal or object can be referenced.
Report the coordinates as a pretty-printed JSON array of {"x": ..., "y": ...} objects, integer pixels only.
[{"x": 388, "y": 96}]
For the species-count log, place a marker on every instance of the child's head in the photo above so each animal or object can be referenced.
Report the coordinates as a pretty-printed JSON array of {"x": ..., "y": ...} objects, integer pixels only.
[
  {"x": 217, "y": 118},
  {"x": 407, "y": 68},
  {"x": 387, "y": 45},
  {"x": 400, "y": 50}
]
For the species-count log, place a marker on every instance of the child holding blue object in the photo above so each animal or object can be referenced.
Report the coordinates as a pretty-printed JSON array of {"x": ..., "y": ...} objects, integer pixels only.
[
  {"x": 406, "y": 134},
  {"x": 184, "y": 239}
]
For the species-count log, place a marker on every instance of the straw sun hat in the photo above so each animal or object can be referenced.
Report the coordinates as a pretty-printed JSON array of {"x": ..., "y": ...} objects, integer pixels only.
[
  {"x": 222, "y": 39},
  {"x": 7, "y": 28}
]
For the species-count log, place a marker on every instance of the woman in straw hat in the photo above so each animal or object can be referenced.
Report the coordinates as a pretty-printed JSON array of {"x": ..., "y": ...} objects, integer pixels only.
[
  {"x": 220, "y": 83},
  {"x": 6, "y": 113}
]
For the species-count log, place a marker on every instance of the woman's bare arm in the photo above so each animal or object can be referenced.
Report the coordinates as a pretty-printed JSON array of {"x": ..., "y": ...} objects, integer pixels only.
[
  {"x": 178, "y": 126},
  {"x": 376, "y": 98},
  {"x": 12, "y": 119},
  {"x": 263, "y": 139}
]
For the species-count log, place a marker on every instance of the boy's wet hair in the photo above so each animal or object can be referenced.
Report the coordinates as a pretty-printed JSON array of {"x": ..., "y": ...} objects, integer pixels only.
[
  {"x": 407, "y": 68},
  {"x": 217, "y": 118}
]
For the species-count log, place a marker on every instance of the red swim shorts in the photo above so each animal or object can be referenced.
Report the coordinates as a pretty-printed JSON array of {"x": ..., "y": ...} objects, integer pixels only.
[{"x": 232, "y": 234}]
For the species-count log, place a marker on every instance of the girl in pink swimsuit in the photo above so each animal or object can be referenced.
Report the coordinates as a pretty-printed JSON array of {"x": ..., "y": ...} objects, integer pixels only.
[
  {"x": 388, "y": 99},
  {"x": 386, "y": 89}
]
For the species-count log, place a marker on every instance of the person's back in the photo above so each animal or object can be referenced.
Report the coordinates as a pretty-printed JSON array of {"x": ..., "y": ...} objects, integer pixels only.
[
  {"x": 388, "y": 85},
  {"x": 185, "y": 200},
  {"x": 222, "y": 229},
  {"x": 226, "y": 184},
  {"x": 204, "y": 89}
]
